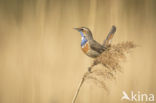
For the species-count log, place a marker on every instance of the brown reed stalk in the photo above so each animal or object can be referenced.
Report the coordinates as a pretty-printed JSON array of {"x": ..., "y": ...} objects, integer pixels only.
[
  {"x": 79, "y": 87},
  {"x": 110, "y": 59}
]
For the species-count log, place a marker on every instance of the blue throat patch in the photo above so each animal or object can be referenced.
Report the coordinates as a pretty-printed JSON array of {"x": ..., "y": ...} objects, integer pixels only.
[{"x": 84, "y": 40}]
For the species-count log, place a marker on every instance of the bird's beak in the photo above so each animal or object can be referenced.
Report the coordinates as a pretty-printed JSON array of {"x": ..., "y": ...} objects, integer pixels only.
[{"x": 78, "y": 29}]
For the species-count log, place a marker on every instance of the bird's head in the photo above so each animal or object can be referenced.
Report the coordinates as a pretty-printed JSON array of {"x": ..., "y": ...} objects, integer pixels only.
[{"x": 85, "y": 33}]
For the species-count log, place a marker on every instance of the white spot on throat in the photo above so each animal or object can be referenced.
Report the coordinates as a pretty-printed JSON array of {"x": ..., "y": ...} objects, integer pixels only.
[{"x": 82, "y": 38}]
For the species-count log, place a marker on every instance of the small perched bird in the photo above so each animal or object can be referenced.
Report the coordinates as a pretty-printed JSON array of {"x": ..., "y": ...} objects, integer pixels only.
[{"x": 91, "y": 47}]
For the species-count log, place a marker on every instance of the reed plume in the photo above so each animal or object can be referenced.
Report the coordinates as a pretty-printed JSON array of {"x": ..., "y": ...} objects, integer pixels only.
[{"x": 110, "y": 59}]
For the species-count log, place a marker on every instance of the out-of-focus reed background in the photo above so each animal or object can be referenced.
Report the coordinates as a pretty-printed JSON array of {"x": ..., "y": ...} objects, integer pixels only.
[{"x": 40, "y": 56}]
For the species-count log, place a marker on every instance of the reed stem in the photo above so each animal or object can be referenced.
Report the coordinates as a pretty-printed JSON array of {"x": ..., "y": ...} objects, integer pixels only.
[{"x": 79, "y": 87}]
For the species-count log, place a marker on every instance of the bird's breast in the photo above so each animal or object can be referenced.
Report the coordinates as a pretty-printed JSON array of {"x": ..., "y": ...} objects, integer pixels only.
[
  {"x": 88, "y": 51},
  {"x": 85, "y": 47}
]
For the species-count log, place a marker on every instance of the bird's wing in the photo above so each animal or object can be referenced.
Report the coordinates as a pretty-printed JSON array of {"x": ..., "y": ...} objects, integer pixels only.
[
  {"x": 110, "y": 35},
  {"x": 96, "y": 46}
]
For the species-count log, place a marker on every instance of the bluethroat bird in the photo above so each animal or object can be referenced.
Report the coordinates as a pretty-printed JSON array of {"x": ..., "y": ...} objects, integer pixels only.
[{"x": 91, "y": 47}]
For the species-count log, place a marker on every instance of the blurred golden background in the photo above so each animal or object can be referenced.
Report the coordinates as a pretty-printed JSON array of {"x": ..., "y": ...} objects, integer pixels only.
[{"x": 40, "y": 56}]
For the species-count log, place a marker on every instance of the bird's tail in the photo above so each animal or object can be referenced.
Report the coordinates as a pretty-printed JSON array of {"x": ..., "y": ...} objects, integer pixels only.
[{"x": 110, "y": 35}]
